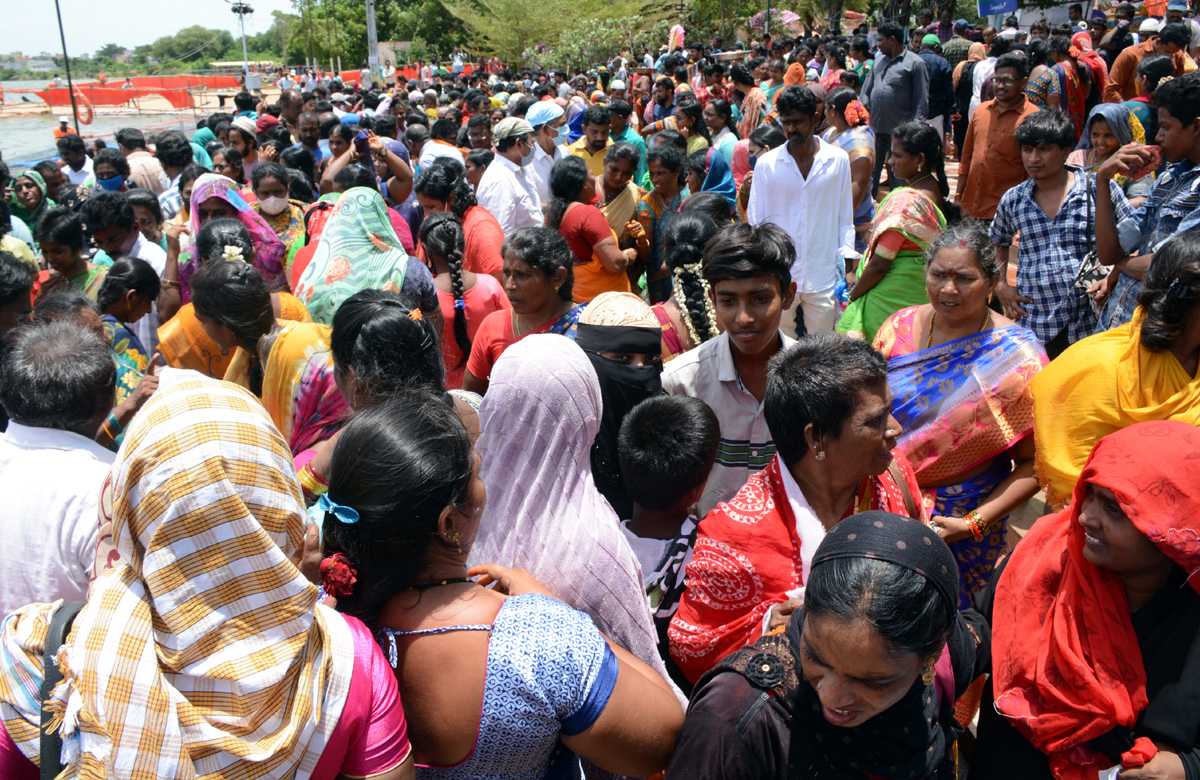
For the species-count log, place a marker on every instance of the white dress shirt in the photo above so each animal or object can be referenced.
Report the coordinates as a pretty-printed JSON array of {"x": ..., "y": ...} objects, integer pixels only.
[
  {"x": 540, "y": 168},
  {"x": 433, "y": 150},
  {"x": 51, "y": 483},
  {"x": 506, "y": 190},
  {"x": 817, "y": 212},
  {"x": 80, "y": 177}
]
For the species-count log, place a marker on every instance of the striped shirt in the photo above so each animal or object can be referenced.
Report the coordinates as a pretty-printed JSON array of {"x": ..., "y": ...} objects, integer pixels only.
[{"x": 746, "y": 446}]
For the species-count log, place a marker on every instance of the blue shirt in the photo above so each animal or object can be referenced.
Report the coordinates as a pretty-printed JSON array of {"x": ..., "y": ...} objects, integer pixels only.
[{"x": 1052, "y": 251}]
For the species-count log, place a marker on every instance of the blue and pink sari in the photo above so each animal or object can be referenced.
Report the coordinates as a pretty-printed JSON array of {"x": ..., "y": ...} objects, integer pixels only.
[{"x": 961, "y": 404}]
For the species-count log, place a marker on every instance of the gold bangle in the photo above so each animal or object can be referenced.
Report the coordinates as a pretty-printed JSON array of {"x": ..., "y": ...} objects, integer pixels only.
[{"x": 975, "y": 524}]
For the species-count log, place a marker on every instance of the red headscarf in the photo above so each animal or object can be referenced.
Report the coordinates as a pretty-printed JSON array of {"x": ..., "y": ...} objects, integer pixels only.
[
  {"x": 1068, "y": 667},
  {"x": 1088, "y": 56}
]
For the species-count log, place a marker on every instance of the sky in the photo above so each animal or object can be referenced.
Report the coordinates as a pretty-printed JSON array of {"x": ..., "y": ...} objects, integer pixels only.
[{"x": 31, "y": 26}]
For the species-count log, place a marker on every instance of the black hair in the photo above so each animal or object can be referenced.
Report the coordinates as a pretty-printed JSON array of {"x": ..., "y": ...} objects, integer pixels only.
[
  {"x": 300, "y": 159},
  {"x": 1000, "y": 46},
  {"x": 71, "y": 143},
  {"x": 375, "y": 334},
  {"x": 442, "y": 236},
  {"x": 15, "y": 279},
  {"x": 217, "y": 234},
  {"x": 742, "y": 251},
  {"x": 666, "y": 447},
  {"x": 796, "y": 98},
  {"x": 725, "y": 111},
  {"x": 1176, "y": 33},
  {"x": 1046, "y": 127},
  {"x": 481, "y": 157},
  {"x": 57, "y": 375},
  {"x": 740, "y": 74},
  {"x": 567, "y": 179},
  {"x": 1154, "y": 68},
  {"x": 300, "y": 187},
  {"x": 127, "y": 273},
  {"x": 891, "y": 29},
  {"x": 1170, "y": 291},
  {"x": 905, "y": 608},
  {"x": 114, "y": 158},
  {"x": 972, "y": 236},
  {"x": 60, "y": 306},
  {"x": 545, "y": 250},
  {"x": 919, "y": 138},
  {"x": 268, "y": 169},
  {"x": 233, "y": 159},
  {"x": 683, "y": 250},
  {"x": 235, "y": 295},
  {"x": 244, "y": 101},
  {"x": 860, "y": 43},
  {"x": 444, "y": 178},
  {"x": 173, "y": 150},
  {"x": 620, "y": 108},
  {"x": 421, "y": 463},
  {"x": 597, "y": 115},
  {"x": 768, "y": 136},
  {"x": 130, "y": 138},
  {"x": 355, "y": 175},
  {"x": 147, "y": 200},
  {"x": 1125, "y": 10},
  {"x": 1180, "y": 97},
  {"x": 1018, "y": 62},
  {"x": 189, "y": 175},
  {"x": 444, "y": 129},
  {"x": 838, "y": 54},
  {"x": 327, "y": 125},
  {"x": 669, "y": 157},
  {"x": 697, "y": 163},
  {"x": 815, "y": 382},
  {"x": 711, "y": 204},
  {"x": 691, "y": 108},
  {"x": 669, "y": 138},
  {"x": 62, "y": 226},
  {"x": 216, "y": 119}
]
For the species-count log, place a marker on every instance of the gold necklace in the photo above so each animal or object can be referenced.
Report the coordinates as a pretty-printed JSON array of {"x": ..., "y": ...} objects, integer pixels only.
[
  {"x": 933, "y": 319},
  {"x": 516, "y": 325},
  {"x": 920, "y": 178}
]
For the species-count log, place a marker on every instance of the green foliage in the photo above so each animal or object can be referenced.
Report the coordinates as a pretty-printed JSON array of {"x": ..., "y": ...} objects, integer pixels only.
[
  {"x": 194, "y": 44},
  {"x": 590, "y": 41},
  {"x": 110, "y": 51},
  {"x": 423, "y": 22}
]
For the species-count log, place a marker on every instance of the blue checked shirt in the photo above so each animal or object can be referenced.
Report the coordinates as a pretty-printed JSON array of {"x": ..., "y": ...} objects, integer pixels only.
[
  {"x": 1173, "y": 207},
  {"x": 1051, "y": 252}
]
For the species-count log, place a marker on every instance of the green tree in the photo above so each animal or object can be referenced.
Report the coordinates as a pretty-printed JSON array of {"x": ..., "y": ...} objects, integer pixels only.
[
  {"x": 110, "y": 51},
  {"x": 424, "y": 21},
  {"x": 341, "y": 21},
  {"x": 194, "y": 44}
]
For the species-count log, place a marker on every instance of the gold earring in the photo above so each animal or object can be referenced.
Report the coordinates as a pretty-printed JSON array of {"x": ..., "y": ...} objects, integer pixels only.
[{"x": 930, "y": 674}]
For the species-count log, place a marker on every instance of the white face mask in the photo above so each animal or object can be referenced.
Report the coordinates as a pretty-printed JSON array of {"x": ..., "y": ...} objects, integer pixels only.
[
  {"x": 272, "y": 206},
  {"x": 564, "y": 134}
]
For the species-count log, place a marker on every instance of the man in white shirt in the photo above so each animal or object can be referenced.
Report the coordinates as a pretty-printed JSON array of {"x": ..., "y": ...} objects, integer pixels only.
[
  {"x": 285, "y": 82},
  {"x": 57, "y": 384},
  {"x": 113, "y": 225},
  {"x": 78, "y": 168},
  {"x": 388, "y": 72},
  {"x": 506, "y": 189},
  {"x": 549, "y": 124},
  {"x": 803, "y": 187},
  {"x": 441, "y": 144}
]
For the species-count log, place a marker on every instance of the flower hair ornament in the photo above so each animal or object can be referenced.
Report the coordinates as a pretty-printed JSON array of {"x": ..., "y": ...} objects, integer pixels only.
[
  {"x": 232, "y": 253},
  {"x": 338, "y": 576},
  {"x": 709, "y": 313}
]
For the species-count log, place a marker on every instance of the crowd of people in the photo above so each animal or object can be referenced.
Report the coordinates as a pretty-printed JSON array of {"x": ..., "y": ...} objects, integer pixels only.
[{"x": 662, "y": 419}]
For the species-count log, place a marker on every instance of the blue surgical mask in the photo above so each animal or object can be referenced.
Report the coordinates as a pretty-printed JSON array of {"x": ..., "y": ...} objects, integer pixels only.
[
  {"x": 564, "y": 134},
  {"x": 752, "y": 159},
  {"x": 112, "y": 184}
]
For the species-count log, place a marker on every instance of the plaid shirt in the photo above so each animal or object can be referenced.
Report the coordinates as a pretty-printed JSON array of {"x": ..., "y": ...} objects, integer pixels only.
[
  {"x": 169, "y": 201},
  {"x": 956, "y": 50},
  {"x": 1173, "y": 207},
  {"x": 1051, "y": 252}
]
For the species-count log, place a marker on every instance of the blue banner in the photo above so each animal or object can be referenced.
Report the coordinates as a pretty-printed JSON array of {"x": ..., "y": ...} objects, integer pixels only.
[{"x": 989, "y": 7}]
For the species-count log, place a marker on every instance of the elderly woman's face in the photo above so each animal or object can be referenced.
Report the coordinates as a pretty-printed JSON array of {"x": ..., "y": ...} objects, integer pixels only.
[
  {"x": 617, "y": 174},
  {"x": 1111, "y": 541},
  {"x": 957, "y": 286},
  {"x": 852, "y": 669},
  {"x": 1103, "y": 140},
  {"x": 864, "y": 447},
  {"x": 29, "y": 195},
  {"x": 529, "y": 290}
]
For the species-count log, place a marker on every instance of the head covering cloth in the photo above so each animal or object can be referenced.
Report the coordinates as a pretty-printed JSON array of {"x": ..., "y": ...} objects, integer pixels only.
[
  {"x": 19, "y": 211},
  {"x": 203, "y": 654},
  {"x": 269, "y": 251}
]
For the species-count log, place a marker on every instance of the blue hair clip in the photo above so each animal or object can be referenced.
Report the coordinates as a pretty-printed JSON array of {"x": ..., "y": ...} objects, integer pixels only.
[
  {"x": 460, "y": 304},
  {"x": 343, "y": 513}
]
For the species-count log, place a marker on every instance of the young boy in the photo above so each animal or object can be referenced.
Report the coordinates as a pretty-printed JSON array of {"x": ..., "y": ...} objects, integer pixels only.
[
  {"x": 748, "y": 268},
  {"x": 667, "y": 447},
  {"x": 1173, "y": 206},
  {"x": 1054, "y": 212}
]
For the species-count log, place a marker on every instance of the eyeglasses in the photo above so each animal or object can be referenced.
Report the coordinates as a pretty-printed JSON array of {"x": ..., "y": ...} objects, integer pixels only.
[{"x": 1005, "y": 81}]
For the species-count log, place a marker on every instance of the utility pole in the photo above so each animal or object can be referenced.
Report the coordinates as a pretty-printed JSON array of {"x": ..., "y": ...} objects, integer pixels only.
[
  {"x": 67, "y": 61},
  {"x": 329, "y": 30},
  {"x": 241, "y": 9},
  {"x": 372, "y": 42}
]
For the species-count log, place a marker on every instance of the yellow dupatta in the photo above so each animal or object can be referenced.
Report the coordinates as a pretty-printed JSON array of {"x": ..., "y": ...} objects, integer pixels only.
[
  {"x": 1099, "y": 385},
  {"x": 620, "y": 210}
]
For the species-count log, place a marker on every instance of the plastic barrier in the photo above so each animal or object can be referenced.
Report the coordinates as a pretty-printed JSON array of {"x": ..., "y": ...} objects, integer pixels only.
[{"x": 108, "y": 96}]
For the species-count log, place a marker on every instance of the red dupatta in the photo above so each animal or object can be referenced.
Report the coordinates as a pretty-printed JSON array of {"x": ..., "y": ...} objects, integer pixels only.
[{"x": 1068, "y": 666}]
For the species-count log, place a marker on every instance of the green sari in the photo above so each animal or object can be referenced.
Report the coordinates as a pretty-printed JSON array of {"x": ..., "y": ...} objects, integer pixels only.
[{"x": 906, "y": 224}]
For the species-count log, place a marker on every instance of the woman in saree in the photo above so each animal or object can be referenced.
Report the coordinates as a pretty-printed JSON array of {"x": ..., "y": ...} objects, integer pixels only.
[
  {"x": 129, "y": 289},
  {"x": 1065, "y": 86},
  {"x": 960, "y": 380},
  {"x": 619, "y": 194},
  {"x": 1143, "y": 370},
  {"x": 655, "y": 211},
  {"x": 29, "y": 198},
  {"x": 688, "y": 318},
  {"x": 892, "y": 276},
  {"x": 285, "y": 217},
  {"x": 359, "y": 250},
  {"x": 285, "y": 687},
  {"x": 849, "y": 131},
  {"x": 287, "y": 364},
  {"x": 835, "y": 65},
  {"x": 707, "y": 171},
  {"x": 182, "y": 341},
  {"x": 1095, "y": 623},
  {"x": 1109, "y": 127},
  {"x": 60, "y": 237},
  {"x": 1153, "y": 71}
]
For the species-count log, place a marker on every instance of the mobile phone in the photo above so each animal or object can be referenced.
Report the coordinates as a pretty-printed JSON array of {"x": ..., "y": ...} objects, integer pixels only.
[
  {"x": 364, "y": 150},
  {"x": 1150, "y": 167}
]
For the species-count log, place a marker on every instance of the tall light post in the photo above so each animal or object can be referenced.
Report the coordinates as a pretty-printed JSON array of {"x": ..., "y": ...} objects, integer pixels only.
[
  {"x": 372, "y": 42},
  {"x": 241, "y": 9},
  {"x": 67, "y": 62}
]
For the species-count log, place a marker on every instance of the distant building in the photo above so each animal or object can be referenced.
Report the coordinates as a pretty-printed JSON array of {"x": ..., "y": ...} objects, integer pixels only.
[{"x": 43, "y": 66}]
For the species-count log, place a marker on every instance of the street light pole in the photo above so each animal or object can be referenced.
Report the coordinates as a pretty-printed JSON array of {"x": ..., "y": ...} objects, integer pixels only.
[
  {"x": 67, "y": 61},
  {"x": 372, "y": 42},
  {"x": 241, "y": 9}
]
